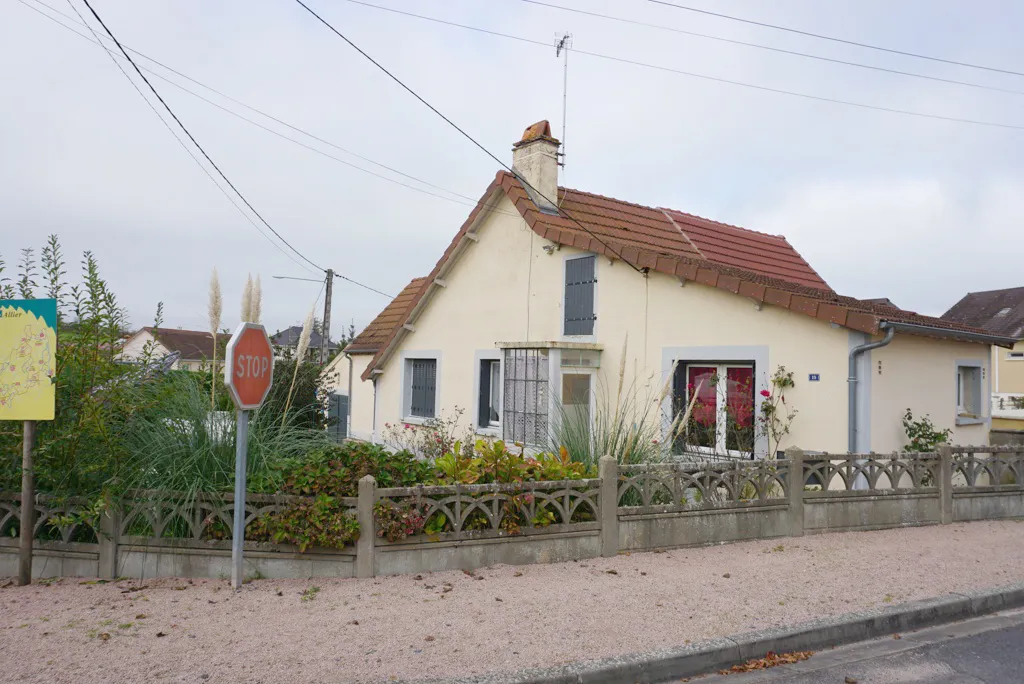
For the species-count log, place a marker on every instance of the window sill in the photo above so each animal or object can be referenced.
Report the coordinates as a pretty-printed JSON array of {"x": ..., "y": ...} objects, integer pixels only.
[
  {"x": 967, "y": 419},
  {"x": 415, "y": 420},
  {"x": 494, "y": 431}
]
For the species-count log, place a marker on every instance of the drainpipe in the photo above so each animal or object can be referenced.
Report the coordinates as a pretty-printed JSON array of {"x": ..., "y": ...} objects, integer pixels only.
[
  {"x": 852, "y": 380},
  {"x": 348, "y": 418},
  {"x": 373, "y": 435}
]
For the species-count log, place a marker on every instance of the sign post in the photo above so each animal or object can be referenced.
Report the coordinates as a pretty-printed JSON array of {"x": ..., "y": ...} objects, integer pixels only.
[
  {"x": 248, "y": 374},
  {"x": 28, "y": 366}
]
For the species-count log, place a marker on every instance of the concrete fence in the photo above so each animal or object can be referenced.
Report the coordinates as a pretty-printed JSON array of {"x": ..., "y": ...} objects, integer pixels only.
[{"x": 627, "y": 508}]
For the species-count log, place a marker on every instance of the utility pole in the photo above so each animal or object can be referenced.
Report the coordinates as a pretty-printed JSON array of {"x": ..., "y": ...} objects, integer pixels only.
[
  {"x": 326, "y": 332},
  {"x": 562, "y": 46}
]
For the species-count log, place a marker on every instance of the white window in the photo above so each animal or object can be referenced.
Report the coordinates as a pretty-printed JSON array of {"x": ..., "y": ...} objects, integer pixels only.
[
  {"x": 525, "y": 397},
  {"x": 420, "y": 395},
  {"x": 489, "y": 399},
  {"x": 722, "y": 418},
  {"x": 968, "y": 391}
]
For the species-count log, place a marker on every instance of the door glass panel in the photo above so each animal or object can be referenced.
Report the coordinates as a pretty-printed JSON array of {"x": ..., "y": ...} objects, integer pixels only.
[
  {"x": 576, "y": 399},
  {"x": 702, "y": 381},
  {"x": 739, "y": 392}
]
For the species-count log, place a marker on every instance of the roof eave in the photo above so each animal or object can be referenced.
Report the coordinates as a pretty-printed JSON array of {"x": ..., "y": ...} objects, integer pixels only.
[{"x": 947, "y": 333}]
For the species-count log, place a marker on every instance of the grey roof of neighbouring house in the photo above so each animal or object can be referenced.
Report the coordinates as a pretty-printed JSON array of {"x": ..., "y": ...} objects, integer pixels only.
[
  {"x": 289, "y": 337},
  {"x": 1000, "y": 312}
]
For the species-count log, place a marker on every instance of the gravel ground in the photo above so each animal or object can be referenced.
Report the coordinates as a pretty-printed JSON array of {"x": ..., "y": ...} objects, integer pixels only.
[{"x": 497, "y": 619}]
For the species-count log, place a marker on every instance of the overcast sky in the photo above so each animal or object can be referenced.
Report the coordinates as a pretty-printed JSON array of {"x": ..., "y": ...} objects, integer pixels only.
[{"x": 880, "y": 204}]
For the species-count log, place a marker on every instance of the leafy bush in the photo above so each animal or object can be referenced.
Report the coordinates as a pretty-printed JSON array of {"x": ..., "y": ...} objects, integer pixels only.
[
  {"x": 335, "y": 469},
  {"x": 923, "y": 436},
  {"x": 318, "y": 522},
  {"x": 396, "y": 521},
  {"x": 434, "y": 438}
]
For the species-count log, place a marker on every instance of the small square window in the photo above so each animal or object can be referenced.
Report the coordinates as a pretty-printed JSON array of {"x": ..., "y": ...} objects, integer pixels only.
[{"x": 1015, "y": 355}]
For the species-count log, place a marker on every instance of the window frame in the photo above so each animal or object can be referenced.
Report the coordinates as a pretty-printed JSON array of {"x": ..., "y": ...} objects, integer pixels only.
[
  {"x": 971, "y": 372},
  {"x": 508, "y": 427},
  {"x": 1014, "y": 355},
  {"x": 565, "y": 297},
  {"x": 406, "y": 394},
  {"x": 721, "y": 405},
  {"x": 493, "y": 429}
]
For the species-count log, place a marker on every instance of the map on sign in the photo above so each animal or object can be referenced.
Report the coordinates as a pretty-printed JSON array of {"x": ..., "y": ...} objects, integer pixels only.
[{"x": 28, "y": 358}]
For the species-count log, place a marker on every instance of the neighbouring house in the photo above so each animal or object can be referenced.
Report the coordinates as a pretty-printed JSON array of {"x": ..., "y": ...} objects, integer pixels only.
[
  {"x": 534, "y": 310},
  {"x": 194, "y": 347},
  {"x": 286, "y": 341},
  {"x": 1001, "y": 312}
]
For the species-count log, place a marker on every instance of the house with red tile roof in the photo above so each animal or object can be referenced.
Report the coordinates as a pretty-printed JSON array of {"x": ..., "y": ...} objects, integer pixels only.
[{"x": 548, "y": 299}]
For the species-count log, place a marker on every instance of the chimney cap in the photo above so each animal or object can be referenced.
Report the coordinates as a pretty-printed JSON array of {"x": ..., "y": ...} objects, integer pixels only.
[{"x": 538, "y": 131}]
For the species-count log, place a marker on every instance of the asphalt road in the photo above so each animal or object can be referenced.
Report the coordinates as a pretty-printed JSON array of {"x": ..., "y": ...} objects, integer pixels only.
[{"x": 988, "y": 650}]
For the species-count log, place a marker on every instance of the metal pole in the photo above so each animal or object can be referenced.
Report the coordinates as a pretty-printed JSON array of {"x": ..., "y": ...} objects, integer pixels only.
[
  {"x": 28, "y": 505},
  {"x": 326, "y": 332},
  {"x": 238, "y": 531}
]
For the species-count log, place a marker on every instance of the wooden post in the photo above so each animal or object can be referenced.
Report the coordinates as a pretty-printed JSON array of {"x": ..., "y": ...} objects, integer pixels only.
[{"x": 28, "y": 505}]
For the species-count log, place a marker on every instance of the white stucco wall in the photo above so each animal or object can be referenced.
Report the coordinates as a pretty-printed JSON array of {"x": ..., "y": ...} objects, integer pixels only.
[
  {"x": 361, "y": 401},
  {"x": 920, "y": 373}
]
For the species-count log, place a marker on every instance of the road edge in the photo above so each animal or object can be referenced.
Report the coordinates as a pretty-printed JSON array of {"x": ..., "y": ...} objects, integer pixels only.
[{"x": 715, "y": 654}]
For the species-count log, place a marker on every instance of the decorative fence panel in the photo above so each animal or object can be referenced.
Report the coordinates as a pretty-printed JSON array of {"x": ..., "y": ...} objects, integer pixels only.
[
  {"x": 987, "y": 482},
  {"x": 626, "y": 508}
]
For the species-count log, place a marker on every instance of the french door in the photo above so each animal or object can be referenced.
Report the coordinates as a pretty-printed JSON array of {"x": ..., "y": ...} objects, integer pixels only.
[{"x": 722, "y": 419}]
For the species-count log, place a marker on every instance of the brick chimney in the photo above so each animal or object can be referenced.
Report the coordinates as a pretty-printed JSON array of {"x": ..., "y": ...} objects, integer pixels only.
[{"x": 535, "y": 162}]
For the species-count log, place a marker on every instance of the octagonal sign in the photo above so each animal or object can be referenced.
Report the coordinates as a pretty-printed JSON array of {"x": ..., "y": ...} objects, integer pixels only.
[{"x": 249, "y": 369}]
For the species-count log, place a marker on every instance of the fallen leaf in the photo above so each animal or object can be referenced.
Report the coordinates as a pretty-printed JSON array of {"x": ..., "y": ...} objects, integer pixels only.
[
  {"x": 429, "y": 638},
  {"x": 612, "y": 572},
  {"x": 446, "y": 588},
  {"x": 517, "y": 574},
  {"x": 726, "y": 575},
  {"x": 497, "y": 599},
  {"x": 354, "y": 622},
  {"x": 771, "y": 659},
  {"x": 105, "y": 637},
  {"x": 161, "y": 634},
  {"x": 642, "y": 572},
  {"x": 140, "y": 616},
  {"x": 849, "y": 680},
  {"x": 896, "y": 636},
  {"x": 418, "y": 577}
]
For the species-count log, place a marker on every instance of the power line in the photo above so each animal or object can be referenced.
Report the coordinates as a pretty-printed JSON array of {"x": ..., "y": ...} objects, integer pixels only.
[
  {"x": 692, "y": 74},
  {"x": 338, "y": 275},
  {"x": 469, "y": 201},
  {"x": 836, "y": 40},
  {"x": 807, "y": 55},
  {"x": 173, "y": 133},
  {"x": 466, "y": 135},
  {"x": 192, "y": 138}
]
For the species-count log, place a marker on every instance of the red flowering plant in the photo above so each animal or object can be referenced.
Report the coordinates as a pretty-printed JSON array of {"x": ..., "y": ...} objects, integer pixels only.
[
  {"x": 775, "y": 417},
  {"x": 430, "y": 439}
]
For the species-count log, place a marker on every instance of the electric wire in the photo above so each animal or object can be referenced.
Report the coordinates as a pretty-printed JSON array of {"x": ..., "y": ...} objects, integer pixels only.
[{"x": 836, "y": 40}]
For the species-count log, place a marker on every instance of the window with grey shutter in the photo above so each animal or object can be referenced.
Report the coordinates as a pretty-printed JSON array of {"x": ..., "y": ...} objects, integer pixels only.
[
  {"x": 525, "y": 399},
  {"x": 580, "y": 277},
  {"x": 423, "y": 387}
]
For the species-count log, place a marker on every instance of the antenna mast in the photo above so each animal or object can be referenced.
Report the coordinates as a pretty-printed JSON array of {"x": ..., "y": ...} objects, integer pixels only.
[{"x": 562, "y": 45}]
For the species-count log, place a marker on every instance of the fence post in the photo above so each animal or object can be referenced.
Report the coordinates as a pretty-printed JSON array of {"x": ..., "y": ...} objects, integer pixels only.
[
  {"x": 945, "y": 484},
  {"x": 110, "y": 528},
  {"x": 608, "y": 471},
  {"x": 367, "y": 534},
  {"x": 795, "y": 456}
]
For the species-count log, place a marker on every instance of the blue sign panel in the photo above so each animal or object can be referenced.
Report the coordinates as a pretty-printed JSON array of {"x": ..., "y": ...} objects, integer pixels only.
[{"x": 813, "y": 377}]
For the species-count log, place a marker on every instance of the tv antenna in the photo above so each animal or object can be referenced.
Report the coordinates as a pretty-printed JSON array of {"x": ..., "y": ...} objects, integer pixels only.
[{"x": 562, "y": 45}]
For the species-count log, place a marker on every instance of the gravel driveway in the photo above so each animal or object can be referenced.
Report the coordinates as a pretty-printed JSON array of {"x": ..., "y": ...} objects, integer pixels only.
[{"x": 500, "y": 618}]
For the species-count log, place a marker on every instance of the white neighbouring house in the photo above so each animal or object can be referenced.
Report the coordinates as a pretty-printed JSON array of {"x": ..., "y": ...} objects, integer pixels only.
[
  {"x": 195, "y": 347},
  {"x": 526, "y": 314}
]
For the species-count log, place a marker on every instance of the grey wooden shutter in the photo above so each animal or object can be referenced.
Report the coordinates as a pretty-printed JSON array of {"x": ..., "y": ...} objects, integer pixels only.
[
  {"x": 483, "y": 418},
  {"x": 424, "y": 384},
  {"x": 579, "y": 296}
]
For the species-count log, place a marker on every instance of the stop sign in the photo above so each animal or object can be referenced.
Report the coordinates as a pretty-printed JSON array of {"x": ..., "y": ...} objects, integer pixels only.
[{"x": 249, "y": 369}]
